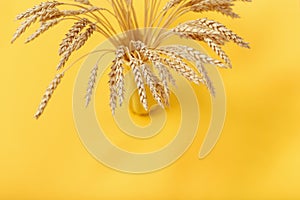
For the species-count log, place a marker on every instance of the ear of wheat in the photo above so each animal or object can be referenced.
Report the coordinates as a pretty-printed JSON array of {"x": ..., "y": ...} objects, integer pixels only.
[{"x": 140, "y": 51}]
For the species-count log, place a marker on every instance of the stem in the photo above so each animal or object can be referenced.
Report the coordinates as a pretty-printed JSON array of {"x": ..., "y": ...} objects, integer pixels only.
[
  {"x": 117, "y": 14},
  {"x": 111, "y": 27},
  {"x": 165, "y": 35},
  {"x": 146, "y": 8},
  {"x": 156, "y": 10},
  {"x": 129, "y": 19},
  {"x": 93, "y": 52},
  {"x": 134, "y": 15},
  {"x": 174, "y": 15}
]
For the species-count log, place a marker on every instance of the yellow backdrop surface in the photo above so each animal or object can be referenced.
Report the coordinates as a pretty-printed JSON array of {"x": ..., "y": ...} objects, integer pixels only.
[{"x": 257, "y": 157}]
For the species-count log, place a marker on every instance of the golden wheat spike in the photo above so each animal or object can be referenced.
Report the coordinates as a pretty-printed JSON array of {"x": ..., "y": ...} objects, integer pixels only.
[
  {"x": 38, "y": 8},
  {"x": 77, "y": 42},
  {"x": 72, "y": 34},
  {"x": 116, "y": 79},
  {"x": 27, "y": 23},
  {"x": 154, "y": 58},
  {"x": 80, "y": 11},
  {"x": 222, "y": 6},
  {"x": 190, "y": 54},
  {"x": 135, "y": 66},
  {"x": 85, "y": 2},
  {"x": 48, "y": 94},
  {"x": 83, "y": 37},
  {"x": 222, "y": 29},
  {"x": 196, "y": 32},
  {"x": 44, "y": 27},
  {"x": 152, "y": 81}
]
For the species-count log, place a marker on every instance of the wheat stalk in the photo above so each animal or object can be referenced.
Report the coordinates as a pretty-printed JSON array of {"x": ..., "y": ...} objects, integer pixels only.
[
  {"x": 80, "y": 11},
  {"x": 199, "y": 33},
  {"x": 72, "y": 35},
  {"x": 86, "y": 2},
  {"x": 77, "y": 41},
  {"x": 152, "y": 81},
  {"x": 116, "y": 79},
  {"x": 183, "y": 69},
  {"x": 218, "y": 51},
  {"x": 220, "y": 29},
  {"x": 91, "y": 84},
  {"x": 120, "y": 82},
  {"x": 155, "y": 59},
  {"x": 137, "y": 50},
  {"x": 50, "y": 14},
  {"x": 83, "y": 37},
  {"x": 44, "y": 27},
  {"x": 206, "y": 78},
  {"x": 190, "y": 54},
  {"x": 222, "y": 6},
  {"x": 27, "y": 23},
  {"x": 113, "y": 89},
  {"x": 36, "y": 9},
  {"x": 48, "y": 94},
  {"x": 135, "y": 66}
]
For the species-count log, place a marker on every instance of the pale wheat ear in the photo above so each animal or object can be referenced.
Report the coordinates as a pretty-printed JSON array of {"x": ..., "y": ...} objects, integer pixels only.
[
  {"x": 93, "y": 79},
  {"x": 207, "y": 81},
  {"x": 91, "y": 84},
  {"x": 137, "y": 49},
  {"x": 218, "y": 51}
]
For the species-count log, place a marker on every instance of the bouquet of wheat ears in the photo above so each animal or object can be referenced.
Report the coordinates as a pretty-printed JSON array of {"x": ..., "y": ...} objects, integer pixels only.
[{"x": 139, "y": 52}]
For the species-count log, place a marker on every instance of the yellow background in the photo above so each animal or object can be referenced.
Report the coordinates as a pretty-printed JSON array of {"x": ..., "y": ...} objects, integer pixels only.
[{"x": 257, "y": 157}]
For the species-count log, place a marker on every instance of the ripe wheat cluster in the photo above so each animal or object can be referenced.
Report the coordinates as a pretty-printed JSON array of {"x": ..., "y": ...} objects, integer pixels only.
[{"x": 139, "y": 51}]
